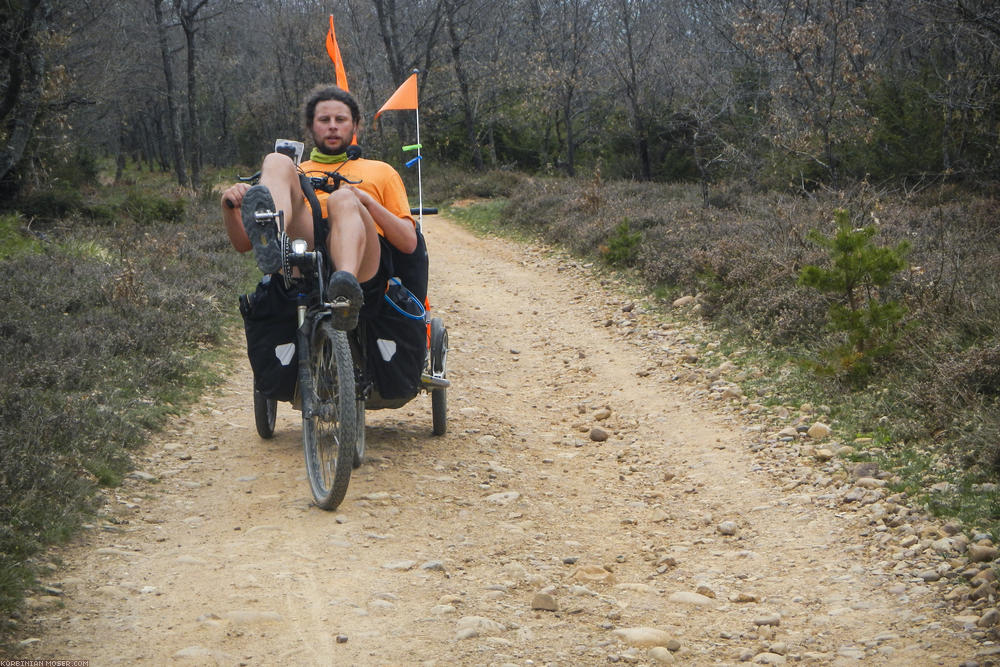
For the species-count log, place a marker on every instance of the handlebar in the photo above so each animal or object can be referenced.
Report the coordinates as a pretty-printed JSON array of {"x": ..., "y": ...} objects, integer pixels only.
[{"x": 323, "y": 182}]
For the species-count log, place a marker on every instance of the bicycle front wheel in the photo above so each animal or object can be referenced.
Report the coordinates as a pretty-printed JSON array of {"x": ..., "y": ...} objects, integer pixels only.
[{"x": 329, "y": 420}]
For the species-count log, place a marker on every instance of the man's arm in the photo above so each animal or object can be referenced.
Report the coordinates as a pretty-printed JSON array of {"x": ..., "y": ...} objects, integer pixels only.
[{"x": 232, "y": 218}]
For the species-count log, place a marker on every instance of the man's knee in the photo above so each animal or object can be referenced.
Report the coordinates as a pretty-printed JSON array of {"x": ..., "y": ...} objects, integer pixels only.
[
  {"x": 343, "y": 197},
  {"x": 342, "y": 201},
  {"x": 277, "y": 163}
]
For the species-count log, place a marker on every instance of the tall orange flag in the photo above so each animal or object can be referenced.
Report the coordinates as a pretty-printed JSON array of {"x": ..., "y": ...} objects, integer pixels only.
[
  {"x": 333, "y": 50},
  {"x": 405, "y": 96}
]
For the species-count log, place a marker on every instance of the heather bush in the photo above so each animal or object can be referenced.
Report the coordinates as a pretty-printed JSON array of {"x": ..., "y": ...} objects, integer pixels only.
[
  {"x": 103, "y": 333},
  {"x": 933, "y": 387}
]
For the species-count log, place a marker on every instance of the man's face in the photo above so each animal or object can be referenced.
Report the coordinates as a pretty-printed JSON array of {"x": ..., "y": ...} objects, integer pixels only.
[{"x": 332, "y": 127}]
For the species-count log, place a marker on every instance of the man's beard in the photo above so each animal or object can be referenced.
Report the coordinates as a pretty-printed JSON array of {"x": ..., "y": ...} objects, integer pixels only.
[{"x": 322, "y": 147}]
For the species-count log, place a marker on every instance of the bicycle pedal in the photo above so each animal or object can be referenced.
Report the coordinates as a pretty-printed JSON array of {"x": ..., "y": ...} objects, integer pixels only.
[{"x": 265, "y": 216}]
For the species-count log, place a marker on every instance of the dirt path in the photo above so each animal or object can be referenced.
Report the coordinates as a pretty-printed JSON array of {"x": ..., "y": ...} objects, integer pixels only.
[{"x": 444, "y": 545}]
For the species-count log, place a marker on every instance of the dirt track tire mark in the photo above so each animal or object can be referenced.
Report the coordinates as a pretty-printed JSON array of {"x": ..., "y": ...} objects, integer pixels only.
[{"x": 443, "y": 546}]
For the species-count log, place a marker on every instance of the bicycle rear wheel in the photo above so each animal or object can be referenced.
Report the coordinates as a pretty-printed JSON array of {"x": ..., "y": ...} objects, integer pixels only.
[
  {"x": 439, "y": 368},
  {"x": 265, "y": 412},
  {"x": 329, "y": 429},
  {"x": 359, "y": 446}
]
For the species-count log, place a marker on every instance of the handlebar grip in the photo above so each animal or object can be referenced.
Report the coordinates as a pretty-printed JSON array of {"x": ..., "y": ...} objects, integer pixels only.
[
  {"x": 230, "y": 204},
  {"x": 424, "y": 211}
]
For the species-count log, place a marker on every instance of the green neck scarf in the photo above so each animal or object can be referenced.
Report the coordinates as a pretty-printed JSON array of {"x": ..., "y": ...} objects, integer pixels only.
[{"x": 318, "y": 156}]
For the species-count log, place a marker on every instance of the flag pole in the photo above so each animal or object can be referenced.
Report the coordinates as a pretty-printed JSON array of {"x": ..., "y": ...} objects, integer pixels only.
[{"x": 420, "y": 183}]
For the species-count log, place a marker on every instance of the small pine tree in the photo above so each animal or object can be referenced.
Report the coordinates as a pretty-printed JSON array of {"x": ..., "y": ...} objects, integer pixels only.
[
  {"x": 622, "y": 247},
  {"x": 858, "y": 269}
]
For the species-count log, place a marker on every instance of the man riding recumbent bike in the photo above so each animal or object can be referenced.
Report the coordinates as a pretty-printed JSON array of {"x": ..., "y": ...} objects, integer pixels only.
[{"x": 317, "y": 337}]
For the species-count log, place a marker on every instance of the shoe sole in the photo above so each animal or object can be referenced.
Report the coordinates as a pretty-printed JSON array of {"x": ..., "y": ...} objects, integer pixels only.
[
  {"x": 263, "y": 234},
  {"x": 350, "y": 295}
]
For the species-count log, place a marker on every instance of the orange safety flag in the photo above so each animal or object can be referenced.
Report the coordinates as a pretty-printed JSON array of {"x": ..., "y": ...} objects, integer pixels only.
[
  {"x": 333, "y": 50},
  {"x": 405, "y": 96}
]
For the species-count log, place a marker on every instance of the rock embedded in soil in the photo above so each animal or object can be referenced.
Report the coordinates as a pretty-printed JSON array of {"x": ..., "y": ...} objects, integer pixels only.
[
  {"x": 598, "y": 434},
  {"x": 503, "y": 498},
  {"x": 544, "y": 602},
  {"x": 727, "y": 528},
  {"x": 685, "y": 300},
  {"x": 434, "y": 565},
  {"x": 399, "y": 565},
  {"x": 687, "y": 597},
  {"x": 989, "y": 619},
  {"x": 643, "y": 637},
  {"x": 661, "y": 656},
  {"x": 593, "y": 573},
  {"x": 818, "y": 431},
  {"x": 475, "y": 626},
  {"x": 979, "y": 553},
  {"x": 768, "y": 620}
]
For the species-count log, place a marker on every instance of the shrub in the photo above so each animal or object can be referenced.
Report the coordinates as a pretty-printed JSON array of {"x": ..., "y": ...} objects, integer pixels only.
[
  {"x": 858, "y": 270},
  {"x": 13, "y": 241},
  {"x": 52, "y": 204},
  {"x": 622, "y": 247},
  {"x": 97, "y": 350},
  {"x": 145, "y": 207}
]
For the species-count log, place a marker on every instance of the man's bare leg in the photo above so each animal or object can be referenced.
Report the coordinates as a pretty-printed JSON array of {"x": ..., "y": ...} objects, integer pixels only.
[
  {"x": 353, "y": 240},
  {"x": 354, "y": 249},
  {"x": 279, "y": 176},
  {"x": 278, "y": 190}
]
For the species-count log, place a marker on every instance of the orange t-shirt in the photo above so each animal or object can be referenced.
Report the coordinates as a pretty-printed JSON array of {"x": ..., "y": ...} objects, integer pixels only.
[{"x": 377, "y": 178}]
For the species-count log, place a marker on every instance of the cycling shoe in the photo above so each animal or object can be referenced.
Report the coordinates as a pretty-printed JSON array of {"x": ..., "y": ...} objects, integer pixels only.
[
  {"x": 345, "y": 294},
  {"x": 263, "y": 234}
]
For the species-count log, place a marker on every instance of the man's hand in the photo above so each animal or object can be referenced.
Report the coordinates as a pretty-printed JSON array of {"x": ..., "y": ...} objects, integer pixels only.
[
  {"x": 397, "y": 231},
  {"x": 232, "y": 197},
  {"x": 366, "y": 199}
]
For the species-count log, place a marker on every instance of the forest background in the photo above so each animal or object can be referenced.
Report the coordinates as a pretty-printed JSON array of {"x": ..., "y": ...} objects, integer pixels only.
[{"x": 819, "y": 174}]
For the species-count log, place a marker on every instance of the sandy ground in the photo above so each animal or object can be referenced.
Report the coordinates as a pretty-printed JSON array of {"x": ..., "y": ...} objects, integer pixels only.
[{"x": 514, "y": 539}]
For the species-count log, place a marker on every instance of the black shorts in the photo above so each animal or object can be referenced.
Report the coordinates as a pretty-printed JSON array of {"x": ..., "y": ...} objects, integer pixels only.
[{"x": 374, "y": 289}]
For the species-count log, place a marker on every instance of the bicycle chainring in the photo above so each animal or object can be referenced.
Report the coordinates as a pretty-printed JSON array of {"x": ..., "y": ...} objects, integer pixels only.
[{"x": 286, "y": 255}]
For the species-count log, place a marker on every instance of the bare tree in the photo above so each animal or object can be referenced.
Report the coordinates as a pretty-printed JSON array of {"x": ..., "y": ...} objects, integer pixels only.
[
  {"x": 457, "y": 42},
  {"x": 187, "y": 14},
  {"x": 818, "y": 54},
  {"x": 173, "y": 113},
  {"x": 566, "y": 30},
  {"x": 636, "y": 29}
]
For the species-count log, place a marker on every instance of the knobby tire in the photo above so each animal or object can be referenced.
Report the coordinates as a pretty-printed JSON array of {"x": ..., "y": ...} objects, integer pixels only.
[
  {"x": 439, "y": 360},
  {"x": 329, "y": 433},
  {"x": 265, "y": 412}
]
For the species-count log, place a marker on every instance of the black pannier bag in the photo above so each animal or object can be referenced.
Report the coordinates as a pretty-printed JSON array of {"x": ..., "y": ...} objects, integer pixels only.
[
  {"x": 396, "y": 338},
  {"x": 270, "y": 323}
]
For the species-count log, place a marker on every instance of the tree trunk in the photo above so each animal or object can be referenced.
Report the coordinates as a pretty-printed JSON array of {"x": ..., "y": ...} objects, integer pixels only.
[
  {"x": 120, "y": 150},
  {"x": 23, "y": 94},
  {"x": 194, "y": 142},
  {"x": 463, "y": 87},
  {"x": 386, "y": 11},
  {"x": 631, "y": 77},
  {"x": 570, "y": 135},
  {"x": 173, "y": 116}
]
